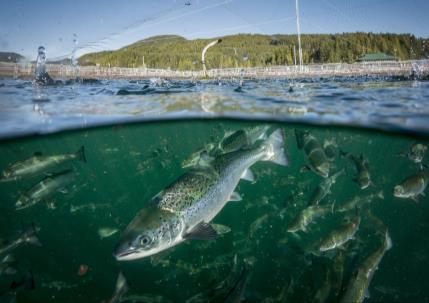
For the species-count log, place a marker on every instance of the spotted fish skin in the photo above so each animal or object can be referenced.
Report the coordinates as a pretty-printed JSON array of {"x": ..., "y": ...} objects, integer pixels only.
[{"x": 194, "y": 199}]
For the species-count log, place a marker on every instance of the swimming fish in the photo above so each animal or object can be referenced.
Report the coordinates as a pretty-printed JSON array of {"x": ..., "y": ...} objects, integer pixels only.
[
  {"x": 121, "y": 288},
  {"x": 240, "y": 139},
  {"x": 45, "y": 188},
  {"x": 28, "y": 236},
  {"x": 341, "y": 235},
  {"x": 308, "y": 216},
  {"x": 236, "y": 293},
  {"x": 413, "y": 186},
  {"x": 357, "y": 288},
  {"x": 6, "y": 267},
  {"x": 38, "y": 164},
  {"x": 359, "y": 201},
  {"x": 416, "y": 153},
  {"x": 324, "y": 188},
  {"x": 331, "y": 149},
  {"x": 184, "y": 209},
  {"x": 316, "y": 157},
  {"x": 105, "y": 232},
  {"x": 363, "y": 177}
]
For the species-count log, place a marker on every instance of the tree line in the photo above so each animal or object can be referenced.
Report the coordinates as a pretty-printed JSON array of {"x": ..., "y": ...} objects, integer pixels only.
[{"x": 255, "y": 50}]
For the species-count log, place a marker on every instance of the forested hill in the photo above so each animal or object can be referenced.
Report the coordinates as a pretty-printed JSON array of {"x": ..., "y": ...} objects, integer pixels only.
[
  {"x": 245, "y": 50},
  {"x": 10, "y": 57}
]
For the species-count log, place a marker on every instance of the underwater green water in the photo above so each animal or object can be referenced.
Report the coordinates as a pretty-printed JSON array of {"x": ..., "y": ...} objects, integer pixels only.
[{"x": 129, "y": 164}]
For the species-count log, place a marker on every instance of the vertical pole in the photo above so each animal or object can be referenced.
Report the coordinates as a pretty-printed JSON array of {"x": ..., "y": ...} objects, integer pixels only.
[
  {"x": 298, "y": 29},
  {"x": 203, "y": 54},
  {"x": 294, "y": 55}
]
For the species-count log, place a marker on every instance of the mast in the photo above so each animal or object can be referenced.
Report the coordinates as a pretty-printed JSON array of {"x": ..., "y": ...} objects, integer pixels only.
[{"x": 298, "y": 29}]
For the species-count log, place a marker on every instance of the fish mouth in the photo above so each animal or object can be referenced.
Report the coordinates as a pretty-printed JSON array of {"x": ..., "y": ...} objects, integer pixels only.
[{"x": 124, "y": 255}]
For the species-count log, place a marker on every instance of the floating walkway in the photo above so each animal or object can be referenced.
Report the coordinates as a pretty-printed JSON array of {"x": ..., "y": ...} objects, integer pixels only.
[{"x": 382, "y": 68}]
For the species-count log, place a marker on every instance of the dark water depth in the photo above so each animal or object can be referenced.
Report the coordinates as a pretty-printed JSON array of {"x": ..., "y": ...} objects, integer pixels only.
[{"x": 128, "y": 164}]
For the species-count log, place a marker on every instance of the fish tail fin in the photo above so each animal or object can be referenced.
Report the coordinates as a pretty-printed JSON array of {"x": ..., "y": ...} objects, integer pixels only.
[
  {"x": 276, "y": 152},
  {"x": 344, "y": 154},
  {"x": 300, "y": 136},
  {"x": 80, "y": 154},
  {"x": 34, "y": 240},
  {"x": 380, "y": 194},
  {"x": 122, "y": 285}
]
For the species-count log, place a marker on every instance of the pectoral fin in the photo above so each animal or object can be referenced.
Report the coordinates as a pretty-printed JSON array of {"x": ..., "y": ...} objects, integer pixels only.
[
  {"x": 202, "y": 231},
  {"x": 304, "y": 169},
  {"x": 415, "y": 199}
]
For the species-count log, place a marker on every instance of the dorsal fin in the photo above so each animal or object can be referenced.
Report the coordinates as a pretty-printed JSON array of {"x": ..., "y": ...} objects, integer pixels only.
[{"x": 37, "y": 154}]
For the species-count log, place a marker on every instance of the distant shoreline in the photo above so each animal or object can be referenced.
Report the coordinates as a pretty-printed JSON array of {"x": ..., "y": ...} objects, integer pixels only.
[{"x": 381, "y": 68}]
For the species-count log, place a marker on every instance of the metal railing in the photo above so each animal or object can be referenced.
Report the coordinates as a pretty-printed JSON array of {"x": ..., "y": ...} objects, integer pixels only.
[{"x": 405, "y": 68}]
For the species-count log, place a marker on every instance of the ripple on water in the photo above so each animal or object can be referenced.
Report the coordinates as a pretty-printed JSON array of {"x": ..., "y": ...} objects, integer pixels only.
[{"x": 386, "y": 103}]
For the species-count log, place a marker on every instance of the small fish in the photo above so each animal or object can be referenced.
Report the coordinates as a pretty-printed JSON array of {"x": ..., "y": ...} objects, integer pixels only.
[
  {"x": 89, "y": 206},
  {"x": 105, "y": 232},
  {"x": 25, "y": 282},
  {"x": 308, "y": 216},
  {"x": 28, "y": 236},
  {"x": 357, "y": 288},
  {"x": 240, "y": 139},
  {"x": 331, "y": 149},
  {"x": 323, "y": 292},
  {"x": 363, "y": 177},
  {"x": 413, "y": 186},
  {"x": 341, "y": 236},
  {"x": 316, "y": 157},
  {"x": 38, "y": 164},
  {"x": 358, "y": 202},
  {"x": 416, "y": 153},
  {"x": 200, "y": 158},
  {"x": 257, "y": 224},
  {"x": 6, "y": 265},
  {"x": 338, "y": 265},
  {"x": 184, "y": 209},
  {"x": 121, "y": 288},
  {"x": 243, "y": 138},
  {"x": 45, "y": 188},
  {"x": 236, "y": 293},
  {"x": 324, "y": 188},
  {"x": 221, "y": 229}
]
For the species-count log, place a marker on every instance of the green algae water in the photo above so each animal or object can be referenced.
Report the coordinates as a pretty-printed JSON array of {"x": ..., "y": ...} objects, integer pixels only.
[{"x": 128, "y": 164}]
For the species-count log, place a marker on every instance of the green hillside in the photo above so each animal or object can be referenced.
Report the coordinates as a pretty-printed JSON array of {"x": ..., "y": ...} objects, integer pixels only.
[{"x": 245, "y": 50}]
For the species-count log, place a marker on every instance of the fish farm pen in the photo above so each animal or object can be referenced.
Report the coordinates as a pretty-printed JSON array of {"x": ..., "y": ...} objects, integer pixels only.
[{"x": 378, "y": 68}]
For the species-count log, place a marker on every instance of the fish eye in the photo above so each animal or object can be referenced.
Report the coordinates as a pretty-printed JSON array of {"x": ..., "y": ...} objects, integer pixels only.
[{"x": 145, "y": 240}]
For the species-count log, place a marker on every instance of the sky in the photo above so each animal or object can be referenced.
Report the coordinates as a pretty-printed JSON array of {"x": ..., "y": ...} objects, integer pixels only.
[{"x": 77, "y": 27}]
